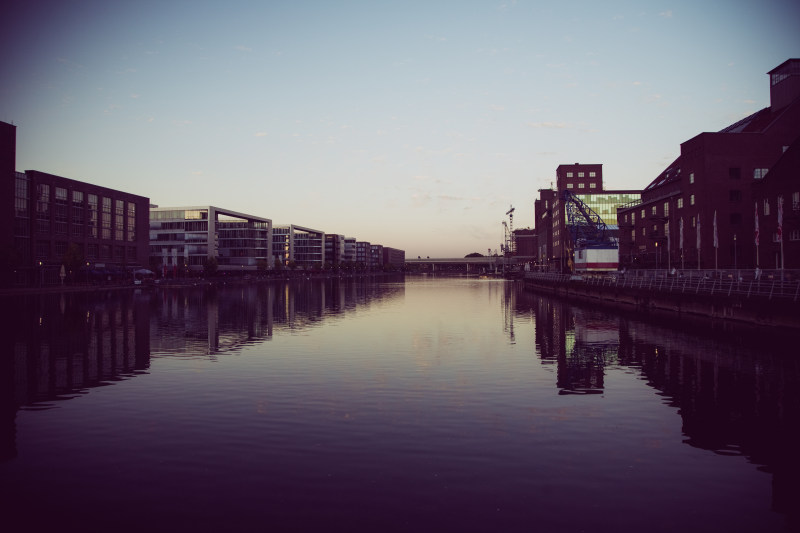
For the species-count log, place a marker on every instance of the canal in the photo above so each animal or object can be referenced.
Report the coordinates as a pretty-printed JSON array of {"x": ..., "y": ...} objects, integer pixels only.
[{"x": 416, "y": 404}]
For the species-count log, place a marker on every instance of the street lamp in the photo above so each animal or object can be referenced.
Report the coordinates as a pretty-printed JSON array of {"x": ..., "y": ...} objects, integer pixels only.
[
  {"x": 656, "y": 255},
  {"x": 735, "y": 265}
]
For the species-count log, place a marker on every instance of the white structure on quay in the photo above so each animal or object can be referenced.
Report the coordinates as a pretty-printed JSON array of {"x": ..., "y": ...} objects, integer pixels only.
[{"x": 183, "y": 238}]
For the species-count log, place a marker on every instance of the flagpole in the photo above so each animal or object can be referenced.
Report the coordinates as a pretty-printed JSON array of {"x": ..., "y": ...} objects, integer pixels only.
[
  {"x": 757, "y": 233},
  {"x": 780, "y": 229},
  {"x": 698, "y": 241},
  {"x": 716, "y": 242},
  {"x": 680, "y": 242}
]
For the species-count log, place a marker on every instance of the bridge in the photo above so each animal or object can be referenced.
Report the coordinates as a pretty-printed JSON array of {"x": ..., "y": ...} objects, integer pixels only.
[{"x": 464, "y": 264}]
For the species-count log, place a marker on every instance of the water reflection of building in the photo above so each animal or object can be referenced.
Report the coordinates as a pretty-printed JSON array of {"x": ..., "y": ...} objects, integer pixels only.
[
  {"x": 732, "y": 400},
  {"x": 56, "y": 346},
  {"x": 579, "y": 342},
  {"x": 202, "y": 321},
  {"x": 736, "y": 394}
]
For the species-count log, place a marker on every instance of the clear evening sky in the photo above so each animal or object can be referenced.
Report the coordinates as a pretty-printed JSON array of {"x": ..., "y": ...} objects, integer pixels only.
[{"x": 410, "y": 124}]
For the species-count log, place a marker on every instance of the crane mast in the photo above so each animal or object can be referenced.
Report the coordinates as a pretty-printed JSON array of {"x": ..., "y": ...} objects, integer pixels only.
[{"x": 510, "y": 244}]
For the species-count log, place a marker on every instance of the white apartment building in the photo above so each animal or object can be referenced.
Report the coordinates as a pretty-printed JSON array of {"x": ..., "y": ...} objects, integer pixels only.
[
  {"x": 303, "y": 246},
  {"x": 183, "y": 238}
]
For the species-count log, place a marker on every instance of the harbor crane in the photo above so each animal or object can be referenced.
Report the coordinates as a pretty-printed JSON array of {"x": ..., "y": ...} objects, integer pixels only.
[
  {"x": 595, "y": 248},
  {"x": 510, "y": 248}
]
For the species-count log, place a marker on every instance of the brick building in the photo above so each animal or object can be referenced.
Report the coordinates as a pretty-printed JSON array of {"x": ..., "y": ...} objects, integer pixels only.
[
  {"x": 50, "y": 221},
  {"x": 698, "y": 213},
  {"x": 778, "y": 190},
  {"x": 554, "y": 244}
]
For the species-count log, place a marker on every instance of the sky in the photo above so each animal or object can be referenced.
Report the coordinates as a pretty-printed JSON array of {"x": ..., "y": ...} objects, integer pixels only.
[{"x": 415, "y": 125}]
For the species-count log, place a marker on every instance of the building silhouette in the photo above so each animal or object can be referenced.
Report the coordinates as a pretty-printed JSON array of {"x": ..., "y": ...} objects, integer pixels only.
[
  {"x": 700, "y": 211},
  {"x": 58, "y": 229}
]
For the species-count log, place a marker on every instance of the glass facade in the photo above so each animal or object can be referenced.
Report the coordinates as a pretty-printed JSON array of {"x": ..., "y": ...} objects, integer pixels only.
[
  {"x": 188, "y": 237},
  {"x": 606, "y": 204}
]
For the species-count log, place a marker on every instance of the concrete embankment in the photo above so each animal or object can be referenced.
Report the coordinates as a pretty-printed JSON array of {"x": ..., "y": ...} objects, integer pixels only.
[{"x": 760, "y": 307}]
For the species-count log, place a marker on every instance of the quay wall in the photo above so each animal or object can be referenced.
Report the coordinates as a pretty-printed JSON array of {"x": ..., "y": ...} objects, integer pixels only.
[{"x": 759, "y": 310}]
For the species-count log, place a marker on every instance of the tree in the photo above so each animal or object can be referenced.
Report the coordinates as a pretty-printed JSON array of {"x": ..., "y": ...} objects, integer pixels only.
[
  {"x": 210, "y": 265},
  {"x": 473, "y": 254},
  {"x": 73, "y": 259}
]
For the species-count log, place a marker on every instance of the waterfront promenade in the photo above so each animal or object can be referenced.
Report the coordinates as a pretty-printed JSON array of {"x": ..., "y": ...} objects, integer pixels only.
[{"x": 766, "y": 298}]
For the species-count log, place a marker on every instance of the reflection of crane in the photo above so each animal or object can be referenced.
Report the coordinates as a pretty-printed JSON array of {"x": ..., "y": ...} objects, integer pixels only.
[{"x": 510, "y": 248}]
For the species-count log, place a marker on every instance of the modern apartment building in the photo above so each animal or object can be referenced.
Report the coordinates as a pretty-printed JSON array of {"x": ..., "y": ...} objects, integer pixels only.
[
  {"x": 393, "y": 258},
  {"x": 184, "y": 238},
  {"x": 305, "y": 247},
  {"x": 350, "y": 249},
  {"x": 700, "y": 212},
  {"x": 334, "y": 249},
  {"x": 54, "y": 225},
  {"x": 362, "y": 254},
  {"x": 375, "y": 257}
]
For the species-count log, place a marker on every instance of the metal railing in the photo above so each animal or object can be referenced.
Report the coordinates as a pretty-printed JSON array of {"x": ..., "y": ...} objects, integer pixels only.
[{"x": 764, "y": 284}]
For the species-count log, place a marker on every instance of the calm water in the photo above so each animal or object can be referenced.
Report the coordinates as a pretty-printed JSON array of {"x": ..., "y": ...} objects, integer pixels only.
[{"x": 426, "y": 405}]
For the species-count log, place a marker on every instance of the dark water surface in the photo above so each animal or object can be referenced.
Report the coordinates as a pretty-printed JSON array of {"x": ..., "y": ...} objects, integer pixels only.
[{"x": 421, "y": 405}]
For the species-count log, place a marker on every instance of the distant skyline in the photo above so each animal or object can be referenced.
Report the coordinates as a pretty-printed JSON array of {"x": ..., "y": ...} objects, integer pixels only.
[{"x": 415, "y": 125}]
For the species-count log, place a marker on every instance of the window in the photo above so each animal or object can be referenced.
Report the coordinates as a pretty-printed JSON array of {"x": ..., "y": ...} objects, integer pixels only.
[
  {"x": 680, "y": 203},
  {"x": 569, "y": 185},
  {"x": 644, "y": 230},
  {"x": 61, "y": 249},
  {"x": 734, "y": 173},
  {"x": 119, "y": 223},
  {"x": 633, "y": 235},
  {"x": 766, "y": 207},
  {"x": 592, "y": 185},
  {"x": 694, "y": 222},
  {"x": 60, "y": 211},
  {"x": 42, "y": 249},
  {"x": 43, "y": 208},
  {"x": 759, "y": 173},
  {"x": 735, "y": 195},
  {"x": 794, "y": 235},
  {"x": 569, "y": 174},
  {"x": 633, "y": 217},
  {"x": 132, "y": 222},
  {"x": 654, "y": 210},
  {"x": 666, "y": 229},
  {"x": 666, "y": 209},
  {"x": 642, "y": 213},
  {"x": 106, "y": 222},
  {"x": 593, "y": 174},
  {"x": 691, "y": 177},
  {"x": 92, "y": 219},
  {"x": 691, "y": 199},
  {"x": 581, "y": 185},
  {"x": 580, "y": 174},
  {"x": 796, "y": 201}
]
